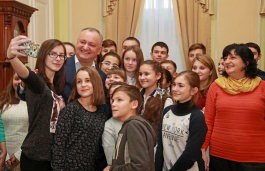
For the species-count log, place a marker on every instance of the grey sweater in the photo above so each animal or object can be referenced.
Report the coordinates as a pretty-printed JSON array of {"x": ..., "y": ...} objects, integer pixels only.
[
  {"x": 37, "y": 144},
  {"x": 135, "y": 146}
]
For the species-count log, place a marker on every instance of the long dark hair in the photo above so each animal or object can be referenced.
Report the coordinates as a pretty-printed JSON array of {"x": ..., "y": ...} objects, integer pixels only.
[
  {"x": 59, "y": 78},
  {"x": 139, "y": 59},
  {"x": 153, "y": 111},
  {"x": 8, "y": 96}
]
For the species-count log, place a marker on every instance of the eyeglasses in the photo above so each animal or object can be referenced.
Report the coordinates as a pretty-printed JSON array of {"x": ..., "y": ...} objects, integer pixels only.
[
  {"x": 108, "y": 64},
  {"x": 54, "y": 55}
]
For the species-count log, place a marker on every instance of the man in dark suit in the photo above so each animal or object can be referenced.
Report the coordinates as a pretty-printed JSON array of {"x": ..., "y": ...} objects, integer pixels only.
[{"x": 88, "y": 47}]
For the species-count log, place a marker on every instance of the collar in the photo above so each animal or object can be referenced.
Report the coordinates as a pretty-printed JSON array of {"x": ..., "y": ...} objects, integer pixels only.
[
  {"x": 78, "y": 65},
  {"x": 183, "y": 108},
  {"x": 154, "y": 93}
]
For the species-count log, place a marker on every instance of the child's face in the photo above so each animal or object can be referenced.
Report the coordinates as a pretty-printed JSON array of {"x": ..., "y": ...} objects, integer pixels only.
[
  {"x": 111, "y": 78},
  {"x": 221, "y": 67},
  {"x": 108, "y": 63},
  {"x": 55, "y": 64},
  {"x": 159, "y": 54},
  {"x": 181, "y": 90},
  {"x": 169, "y": 67},
  {"x": 83, "y": 84},
  {"x": 164, "y": 83},
  {"x": 70, "y": 51},
  {"x": 122, "y": 106},
  {"x": 203, "y": 71},
  {"x": 192, "y": 54},
  {"x": 107, "y": 50},
  {"x": 130, "y": 61},
  {"x": 147, "y": 76}
]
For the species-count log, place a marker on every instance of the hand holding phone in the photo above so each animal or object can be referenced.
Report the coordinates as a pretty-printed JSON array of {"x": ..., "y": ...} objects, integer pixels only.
[{"x": 33, "y": 49}]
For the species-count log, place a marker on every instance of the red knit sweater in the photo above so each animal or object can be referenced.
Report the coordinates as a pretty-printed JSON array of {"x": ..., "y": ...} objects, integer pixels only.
[{"x": 236, "y": 124}]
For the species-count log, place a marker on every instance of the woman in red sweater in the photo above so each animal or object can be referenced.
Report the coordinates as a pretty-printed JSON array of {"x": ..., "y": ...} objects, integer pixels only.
[{"x": 235, "y": 115}]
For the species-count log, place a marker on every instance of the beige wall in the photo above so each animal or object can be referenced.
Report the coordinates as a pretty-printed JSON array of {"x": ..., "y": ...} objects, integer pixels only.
[
  {"x": 61, "y": 20},
  {"x": 235, "y": 21},
  {"x": 84, "y": 13},
  {"x": 70, "y": 16}
]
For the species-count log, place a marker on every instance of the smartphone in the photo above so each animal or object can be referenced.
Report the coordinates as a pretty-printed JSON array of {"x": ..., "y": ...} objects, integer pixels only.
[{"x": 33, "y": 49}]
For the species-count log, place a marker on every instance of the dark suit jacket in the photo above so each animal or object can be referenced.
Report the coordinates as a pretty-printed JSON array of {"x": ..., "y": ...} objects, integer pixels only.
[{"x": 70, "y": 71}]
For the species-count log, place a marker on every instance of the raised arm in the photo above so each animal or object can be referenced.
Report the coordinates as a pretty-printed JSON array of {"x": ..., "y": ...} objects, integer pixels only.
[{"x": 13, "y": 53}]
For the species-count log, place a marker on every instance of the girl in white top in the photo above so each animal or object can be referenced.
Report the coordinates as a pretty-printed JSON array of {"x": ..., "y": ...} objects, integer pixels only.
[
  {"x": 15, "y": 121},
  {"x": 183, "y": 128}
]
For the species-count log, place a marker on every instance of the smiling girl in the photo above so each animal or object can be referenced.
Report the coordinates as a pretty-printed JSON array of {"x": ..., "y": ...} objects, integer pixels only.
[
  {"x": 81, "y": 124},
  {"x": 205, "y": 68},
  {"x": 110, "y": 60},
  {"x": 183, "y": 128},
  {"x": 15, "y": 119},
  {"x": 42, "y": 97},
  {"x": 150, "y": 75}
]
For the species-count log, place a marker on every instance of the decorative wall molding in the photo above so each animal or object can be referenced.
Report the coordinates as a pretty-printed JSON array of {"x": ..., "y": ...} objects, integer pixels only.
[
  {"x": 207, "y": 6},
  {"x": 109, "y": 7}
]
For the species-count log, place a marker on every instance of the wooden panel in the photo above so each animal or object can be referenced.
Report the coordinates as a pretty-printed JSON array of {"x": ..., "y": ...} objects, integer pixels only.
[
  {"x": 13, "y": 15},
  {"x": 6, "y": 73}
]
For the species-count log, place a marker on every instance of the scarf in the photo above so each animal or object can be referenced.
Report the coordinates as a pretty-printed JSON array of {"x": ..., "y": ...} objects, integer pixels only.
[
  {"x": 234, "y": 87},
  {"x": 58, "y": 104}
]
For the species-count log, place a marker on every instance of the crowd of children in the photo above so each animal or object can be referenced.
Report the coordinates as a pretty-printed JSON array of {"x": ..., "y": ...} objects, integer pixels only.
[{"x": 97, "y": 110}]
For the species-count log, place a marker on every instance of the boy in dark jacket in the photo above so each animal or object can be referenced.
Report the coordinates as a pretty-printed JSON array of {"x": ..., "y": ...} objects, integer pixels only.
[{"x": 134, "y": 149}]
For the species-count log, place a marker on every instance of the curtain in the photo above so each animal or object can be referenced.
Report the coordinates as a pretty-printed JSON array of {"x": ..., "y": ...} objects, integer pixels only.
[
  {"x": 123, "y": 21},
  {"x": 159, "y": 24},
  {"x": 194, "y": 25}
]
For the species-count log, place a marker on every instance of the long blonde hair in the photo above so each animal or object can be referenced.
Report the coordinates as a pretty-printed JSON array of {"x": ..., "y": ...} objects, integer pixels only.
[{"x": 209, "y": 63}]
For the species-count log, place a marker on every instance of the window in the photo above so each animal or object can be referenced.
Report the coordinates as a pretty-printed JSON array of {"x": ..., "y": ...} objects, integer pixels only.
[{"x": 158, "y": 24}]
